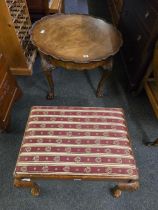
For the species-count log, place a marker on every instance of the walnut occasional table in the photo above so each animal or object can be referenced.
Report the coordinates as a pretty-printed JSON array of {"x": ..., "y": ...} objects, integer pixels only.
[{"x": 74, "y": 41}]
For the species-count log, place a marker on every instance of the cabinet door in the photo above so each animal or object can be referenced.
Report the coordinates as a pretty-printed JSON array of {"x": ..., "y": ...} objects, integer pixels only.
[
  {"x": 9, "y": 92},
  {"x": 138, "y": 39},
  {"x": 146, "y": 14}
]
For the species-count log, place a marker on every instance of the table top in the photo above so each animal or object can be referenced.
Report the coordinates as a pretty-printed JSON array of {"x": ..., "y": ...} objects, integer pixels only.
[{"x": 76, "y": 38}]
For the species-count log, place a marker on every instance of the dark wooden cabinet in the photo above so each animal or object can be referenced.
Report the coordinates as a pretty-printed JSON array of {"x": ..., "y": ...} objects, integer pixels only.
[
  {"x": 151, "y": 81},
  {"x": 40, "y": 8},
  {"x": 9, "y": 93},
  {"x": 138, "y": 25},
  {"x": 99, "y": 9}
]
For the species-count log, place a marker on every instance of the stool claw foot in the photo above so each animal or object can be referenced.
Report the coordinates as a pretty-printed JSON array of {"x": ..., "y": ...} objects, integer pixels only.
[
  {"x": 130, "y": 186},
  {"x": 50, "y": 96},
  {"x": 116, "y": 192},
  {"x": 35, "y": 190},
  {"x": 100, "y": 93}
]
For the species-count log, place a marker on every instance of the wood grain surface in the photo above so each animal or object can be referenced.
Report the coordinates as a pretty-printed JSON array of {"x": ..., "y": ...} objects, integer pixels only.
[{"x": 76, "y": 38}]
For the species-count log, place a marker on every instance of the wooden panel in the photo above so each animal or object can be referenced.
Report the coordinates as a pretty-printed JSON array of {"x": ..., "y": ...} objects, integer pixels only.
[
  {"x": 9, "y": 42},
  {"x": 155, "y": 63},
  {"x": 56, "y": 6},
  {"x": 40, "y": 8},
  {"x": 151, "y": 88},
  {"x": 6, "y": 93},
  {"x": 14, "y": 40},
  {"x": 9, "y": 93},
  {"x": 151, "y": 81}
]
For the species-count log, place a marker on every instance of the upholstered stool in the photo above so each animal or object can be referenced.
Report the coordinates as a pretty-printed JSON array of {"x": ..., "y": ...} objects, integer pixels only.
[{"x": 82, "y": 143}]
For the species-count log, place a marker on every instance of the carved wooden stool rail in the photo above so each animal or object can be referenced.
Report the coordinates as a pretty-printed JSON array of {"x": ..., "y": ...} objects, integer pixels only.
[
  {"x": 78, "y": 42},
  {"x": 76, "y": 143}
]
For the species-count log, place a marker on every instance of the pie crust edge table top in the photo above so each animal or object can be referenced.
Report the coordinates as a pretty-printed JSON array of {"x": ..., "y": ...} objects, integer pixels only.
[{"x": 76, "y": 38}]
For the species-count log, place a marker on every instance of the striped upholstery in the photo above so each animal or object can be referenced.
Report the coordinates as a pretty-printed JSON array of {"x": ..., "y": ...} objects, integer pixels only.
[{"x": 76, "y": 141}]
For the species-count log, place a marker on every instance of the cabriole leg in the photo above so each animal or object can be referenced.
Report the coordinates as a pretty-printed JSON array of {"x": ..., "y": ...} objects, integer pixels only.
[
  {"x": 130, "y": 186},
  {"x": 35, "y": 190},
  {"x": 47, "y": 69},
  {"x": 107, "y": 71}
]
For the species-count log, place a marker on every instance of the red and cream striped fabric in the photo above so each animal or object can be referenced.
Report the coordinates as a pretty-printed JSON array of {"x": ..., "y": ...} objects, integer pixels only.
[{"x": 76, "y": 141}]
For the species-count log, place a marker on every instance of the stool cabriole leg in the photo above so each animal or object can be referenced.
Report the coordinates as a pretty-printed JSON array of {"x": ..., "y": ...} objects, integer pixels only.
[
  {"x": 35, "y": 190},
  {"x": 130, "y": 186},
  {"x": 49, "y": 76},
  {"x": 47, "y": 69},
  {"x": 100, "y": 89},
  {"x": 106, "y": 74}
]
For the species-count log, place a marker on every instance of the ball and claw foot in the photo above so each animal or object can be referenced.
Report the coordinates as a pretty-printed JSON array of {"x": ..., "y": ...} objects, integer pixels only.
[
  {"x": 50, "y": 96},
  {"x": 129, "y": 186},
  {"x": 100, "y": 94},
  {"x": 35, "y": 191},
  {"x": 116, "y": 192}
]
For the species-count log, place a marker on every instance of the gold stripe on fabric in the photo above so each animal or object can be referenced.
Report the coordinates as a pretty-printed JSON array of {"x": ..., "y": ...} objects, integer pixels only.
[
  {"x": 75, "y": 123},
  {"x": 76, "y": 154},
  {"x": 79, "y": 116},
  {"x": 69, "y": 141},
  {"x": 74, "y": 137},
  {"x": 81, "y": 174},
  {"x": 77, "y": 130},
  {"x": 94, "y": 146},
  {"x": 78, "y": 111},
  {"x": 74, "y": 164}
]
